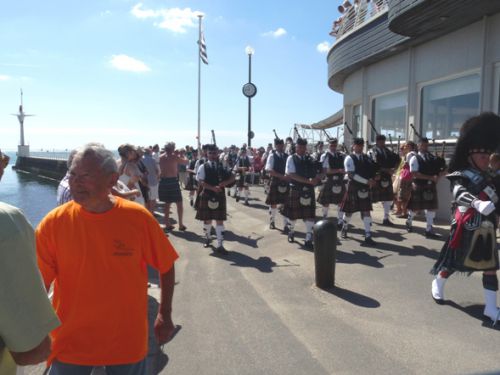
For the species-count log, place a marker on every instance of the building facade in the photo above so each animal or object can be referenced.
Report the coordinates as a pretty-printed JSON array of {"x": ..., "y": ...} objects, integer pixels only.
[{"x": 428, "y": 63}]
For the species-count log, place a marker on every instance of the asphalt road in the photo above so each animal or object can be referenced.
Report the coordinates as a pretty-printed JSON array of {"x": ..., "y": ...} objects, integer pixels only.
[{"x": 257, "y": 311}]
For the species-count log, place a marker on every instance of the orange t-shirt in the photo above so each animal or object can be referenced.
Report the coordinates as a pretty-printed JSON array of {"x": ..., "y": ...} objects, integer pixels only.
[{"x": 98, "y": 265}]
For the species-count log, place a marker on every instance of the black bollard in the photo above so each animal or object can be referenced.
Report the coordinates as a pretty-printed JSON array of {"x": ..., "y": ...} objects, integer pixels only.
[{"x": 325, "y": 252}]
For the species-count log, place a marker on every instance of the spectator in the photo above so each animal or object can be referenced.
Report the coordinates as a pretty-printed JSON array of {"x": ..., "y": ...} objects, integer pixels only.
[
  {"x": 63, "y": 191},
  {"x": 26, "y": 317},
  {"x": 95, "y": 249},
  {"x": 129, "y": 171},
  {"x": 153, "y": 177}
]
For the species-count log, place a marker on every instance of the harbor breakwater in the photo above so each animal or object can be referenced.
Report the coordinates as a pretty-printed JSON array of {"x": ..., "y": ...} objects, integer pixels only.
[{"x": 44, "y": 167}]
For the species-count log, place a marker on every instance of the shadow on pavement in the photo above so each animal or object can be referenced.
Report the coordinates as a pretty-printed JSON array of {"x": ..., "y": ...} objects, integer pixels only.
[
  {"x": 245, "y": 240},
  {"x": 360, "y": 257},
  {"x": 263, "y": 264},
  {"x": 187, "y": 235},
  {"x": 353, "y": 297},
  {"x": 475, "y": 311}
]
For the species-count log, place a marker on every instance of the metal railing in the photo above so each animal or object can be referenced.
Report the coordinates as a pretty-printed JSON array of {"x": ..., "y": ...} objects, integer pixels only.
[
  {"x": 53, "y": 155},
  {"x": 356, "y": 14}
]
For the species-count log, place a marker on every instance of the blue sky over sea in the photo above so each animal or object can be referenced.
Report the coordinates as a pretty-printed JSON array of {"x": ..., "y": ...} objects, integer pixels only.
[{"x": 118, "y": 71}]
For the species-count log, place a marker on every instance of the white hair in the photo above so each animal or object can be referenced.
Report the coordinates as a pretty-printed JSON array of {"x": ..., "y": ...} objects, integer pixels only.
[{"x": 107, "y": 162}]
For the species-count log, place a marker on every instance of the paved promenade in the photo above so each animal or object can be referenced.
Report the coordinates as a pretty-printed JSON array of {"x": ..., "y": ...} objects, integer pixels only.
[{"x": 257, "y": 311}]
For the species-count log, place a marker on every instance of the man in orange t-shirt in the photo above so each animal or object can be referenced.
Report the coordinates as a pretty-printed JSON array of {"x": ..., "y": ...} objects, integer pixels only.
[{"x": 95, "y": 249}]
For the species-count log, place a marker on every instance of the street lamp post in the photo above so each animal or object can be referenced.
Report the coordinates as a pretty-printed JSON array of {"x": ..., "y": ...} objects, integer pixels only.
[{"x": 249, "y": 90}]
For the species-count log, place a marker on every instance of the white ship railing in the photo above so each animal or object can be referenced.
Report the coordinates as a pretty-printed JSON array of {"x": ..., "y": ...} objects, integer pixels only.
[{"x": 355, "y": 15}]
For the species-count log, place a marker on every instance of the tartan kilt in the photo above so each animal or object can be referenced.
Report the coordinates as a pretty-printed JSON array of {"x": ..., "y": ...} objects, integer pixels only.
[
  {"x": 274, "y": 196},
  {"x": 169, "y": 190},
  {"x": 293, "y": 209},
  {"x": 352, "y": 202},
  {"x": 404, "y": 192},
  {"x": 326, "y": 194},
  {"x": 383, "y": 192},
  {"x": 423, "y": 197},
  {"x": 241, "y": 181},
  {"x": 190, "y": 183},
  {"x": 204, "y": 212}
]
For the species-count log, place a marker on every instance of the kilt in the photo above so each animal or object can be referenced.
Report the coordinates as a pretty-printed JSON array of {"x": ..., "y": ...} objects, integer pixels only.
[
  {"x": 294, "y": 209},
  {"x": 209, "y": 198},
  {"x": 190, "y": 183},
  {"x": 169, "y": 190},
  {"x": 382, "y": 191},
  {"x": 274, "y": 196},
  {"x": 423, "y": 197},
  {"x": 356, "y": 198},
  {"x": 404, "y": 192},
  {"x": 470, "y": 255},
  {"x": 242, "y": 180},
  {"x": 327, "y": 195}
]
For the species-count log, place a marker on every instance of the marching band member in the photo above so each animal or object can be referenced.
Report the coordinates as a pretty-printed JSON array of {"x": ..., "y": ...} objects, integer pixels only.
[
  {"x": 300, "y": 203},
  {"x": 333, "y": 190},
  {"x": 387, "y": 161},
  {"x": 425, "y": 170},
  {"x": 278, "y": 187},
  {"x": 472, "y": 245},
  {"x": 213, "y": 178},
  {"x": 241, "y": 167},
  {"x": 361, "y": 171}
]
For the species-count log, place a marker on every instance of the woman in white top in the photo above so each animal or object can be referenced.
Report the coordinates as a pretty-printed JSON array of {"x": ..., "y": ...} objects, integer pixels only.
[{"x": 128, "y": 169}]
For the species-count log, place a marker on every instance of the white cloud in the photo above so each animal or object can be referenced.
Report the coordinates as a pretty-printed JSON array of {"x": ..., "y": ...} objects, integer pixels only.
[
  {"x": 4, "y": 77},
  {"x": 129, "y": 64},
  {"x": 176, "y": 20},
  {"x": 323, "y": 47},
  {"x": 105, "y": 13},
  {"x": 279, "y": 32}
]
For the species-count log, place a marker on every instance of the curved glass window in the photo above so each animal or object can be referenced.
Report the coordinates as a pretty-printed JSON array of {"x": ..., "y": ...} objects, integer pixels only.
[{"x": 389, "y": 115}]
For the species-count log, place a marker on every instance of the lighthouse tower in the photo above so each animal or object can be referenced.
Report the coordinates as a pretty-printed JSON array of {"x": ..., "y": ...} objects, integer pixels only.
[{"x": 22, "y": 148}]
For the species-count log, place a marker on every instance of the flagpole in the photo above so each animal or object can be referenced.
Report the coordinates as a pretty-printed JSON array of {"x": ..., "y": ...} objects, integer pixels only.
[{"x": 200, "y": 16}]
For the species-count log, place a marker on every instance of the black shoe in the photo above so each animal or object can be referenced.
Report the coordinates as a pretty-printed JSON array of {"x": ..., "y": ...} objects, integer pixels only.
[
  {"x": 343, "y": 233},
  {"x": 387, "y": 223},
  {"x": 409, "y": 227},
  {"x": 308, "y": 244},
  {"x": 246, "y": 203},
  {"x": 207, "y": 243},
  {"x": 271, "y": 225},
  {"x": 369, "y": 241},
  {"x": 228, "y": 192},
  {"x": 237, "y": 198},
  {"x": 291, "y": 236},
  {"x": 191, "y": 202},
  {"x": 220, "y": 250},
  {"x": 286, "y": 229},
  {"x": 431, "y": 234}
]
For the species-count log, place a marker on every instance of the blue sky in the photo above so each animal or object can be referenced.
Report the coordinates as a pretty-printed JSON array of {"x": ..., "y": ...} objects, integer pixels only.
[{"x": 118, "y": 71}]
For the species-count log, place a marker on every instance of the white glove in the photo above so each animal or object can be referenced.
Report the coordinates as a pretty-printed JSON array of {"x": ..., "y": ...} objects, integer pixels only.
[{"x": 483, "y": 207}]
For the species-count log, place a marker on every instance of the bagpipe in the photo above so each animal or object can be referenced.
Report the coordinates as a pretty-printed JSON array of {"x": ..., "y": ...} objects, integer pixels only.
[
  {"x": 392, "y": 158},
  {"x": 437, "y": 163},
  {"x": 214, "y": 142}
]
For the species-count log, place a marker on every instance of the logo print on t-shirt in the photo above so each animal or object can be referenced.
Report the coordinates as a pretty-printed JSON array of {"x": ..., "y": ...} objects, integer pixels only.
[{"x": 122, "y": 249}]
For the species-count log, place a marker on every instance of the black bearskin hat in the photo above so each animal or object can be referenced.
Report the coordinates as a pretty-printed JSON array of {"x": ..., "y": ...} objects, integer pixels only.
[
  {"x": 301, "y": 141},
  {"x": 380, "y": 137},
  {"x": 358, "y": 141},
  {"x": 278, "y": 141},
  {"x": 333, "y": 141},
  {"x": 478, "y": 134}
]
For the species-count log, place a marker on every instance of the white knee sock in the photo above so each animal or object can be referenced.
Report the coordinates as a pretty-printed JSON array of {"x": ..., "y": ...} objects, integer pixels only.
[
  {"x": 387, "y": 208},
  {"x": 272, "y": 213},
  {"x": 291, "y": 224},
  {"x": 340, "y": 215},
  {"x": 325, "y": 212},
  {"x": 247, "y": 193},
  {"x": 218, "y": 231},
  {"x": 429, "y": 216},
  {"x": 207, "y": 228},
  {"x": 347, "y": 219},
  {"x": 411, "y": 215},
  {"x": 309, "y": 229},
  {"x": 367, "y": 221}
]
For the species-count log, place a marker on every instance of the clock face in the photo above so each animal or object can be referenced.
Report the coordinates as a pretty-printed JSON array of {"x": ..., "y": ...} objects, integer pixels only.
[{"x": 249, "y": 90}]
